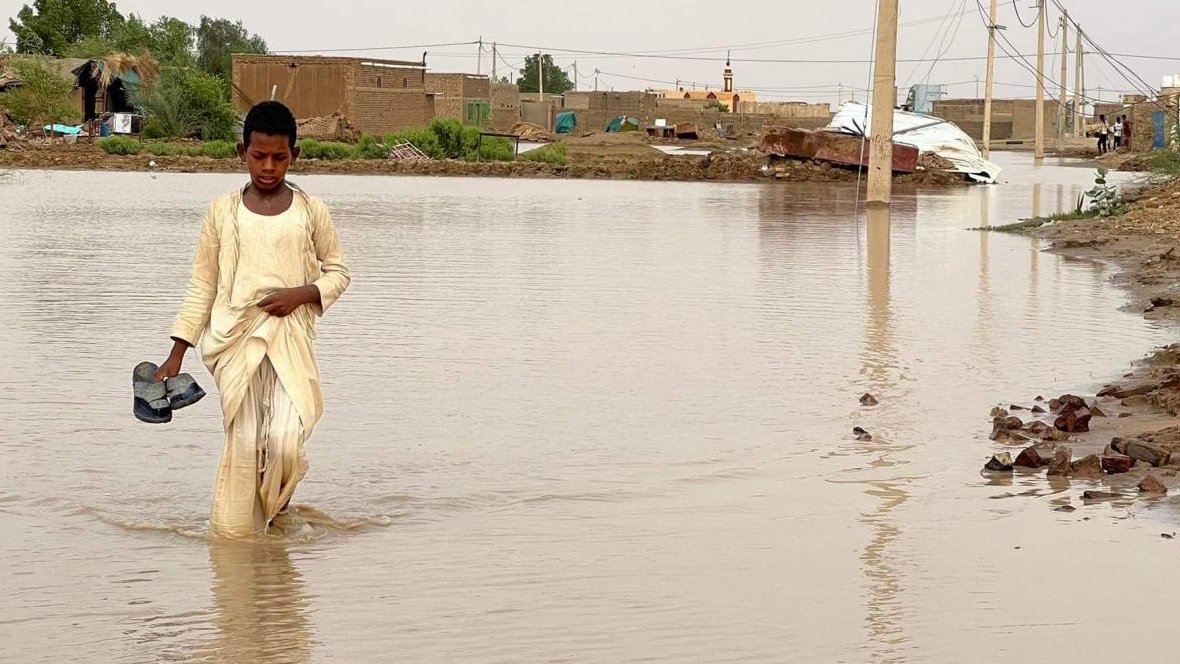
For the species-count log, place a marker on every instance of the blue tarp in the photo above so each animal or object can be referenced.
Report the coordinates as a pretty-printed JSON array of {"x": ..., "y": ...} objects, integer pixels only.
[
  {"x": 64, "y": 129},
  {"x": 566, "y": 122}
]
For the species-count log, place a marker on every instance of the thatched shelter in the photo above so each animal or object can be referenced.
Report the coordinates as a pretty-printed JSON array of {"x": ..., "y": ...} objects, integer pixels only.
[{"x": 106, "y": 83}]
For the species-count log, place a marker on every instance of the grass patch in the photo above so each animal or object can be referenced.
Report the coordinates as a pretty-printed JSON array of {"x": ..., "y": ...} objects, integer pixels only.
[
  {"x": 220, "y": 149},
  {"x": 120, "y": 145},
  {"x": 1164, "y": 162},
  {"x": 326, "y": 150},
  {"x": 1026, "y": 225},
  {"x": 554, "y": 153}
]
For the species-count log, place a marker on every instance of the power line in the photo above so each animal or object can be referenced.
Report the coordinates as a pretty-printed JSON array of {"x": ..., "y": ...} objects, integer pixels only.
[
  {"x": 374, "y": 48},
  {"x": 1016, "y": 9}
]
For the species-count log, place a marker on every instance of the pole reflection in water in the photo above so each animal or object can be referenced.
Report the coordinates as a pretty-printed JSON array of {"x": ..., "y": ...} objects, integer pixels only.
[
  {"x": 260, "y": 604},
  {"x": 883, "y": 619}
]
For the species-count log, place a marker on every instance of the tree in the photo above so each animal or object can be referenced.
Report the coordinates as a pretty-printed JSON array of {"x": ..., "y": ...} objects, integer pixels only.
[
  {"x": 218, "y": 39},
  {"x": 43, "y": 96},
  {"x": 556, "y": 81},
  {"x": 172, "y": 41},
  {"x": 51, "y": 27},
  {"x": 168, "y": 40},
  {"x": 187, "y": 103}
]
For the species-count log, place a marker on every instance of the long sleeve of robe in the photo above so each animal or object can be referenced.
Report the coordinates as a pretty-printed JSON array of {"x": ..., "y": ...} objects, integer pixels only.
[{"x": 241, "y": 258}]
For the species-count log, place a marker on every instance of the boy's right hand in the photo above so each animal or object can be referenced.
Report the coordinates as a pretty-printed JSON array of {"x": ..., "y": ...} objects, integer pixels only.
[{"x": 169, "y": 369}]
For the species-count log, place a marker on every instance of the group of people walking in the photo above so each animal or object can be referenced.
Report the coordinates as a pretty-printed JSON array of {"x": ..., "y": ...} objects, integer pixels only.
[{"x": 1113, "y": 136}]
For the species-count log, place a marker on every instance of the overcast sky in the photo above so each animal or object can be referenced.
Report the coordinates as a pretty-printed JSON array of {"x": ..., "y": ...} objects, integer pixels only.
[{"x": 704, "y": 29}]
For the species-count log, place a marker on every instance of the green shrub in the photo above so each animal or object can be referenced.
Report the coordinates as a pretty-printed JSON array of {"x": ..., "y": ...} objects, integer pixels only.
[
  {"x": 220, "y": 149},
  {"x": 162, "y": 149},
  {"x": 326, "y": 150},
  {"x": 120, "y": 145},
  {"x": 184, "y": 103},
  {"x": 492, "y": 149},
  {"x": 449, "y": 133},
  {"x": 554, "y": 153},
  {"x": 370, "y": 148}
]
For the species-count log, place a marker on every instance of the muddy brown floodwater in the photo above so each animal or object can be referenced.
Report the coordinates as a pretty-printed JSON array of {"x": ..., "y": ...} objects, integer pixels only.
[{"x": 583, "y": 422}]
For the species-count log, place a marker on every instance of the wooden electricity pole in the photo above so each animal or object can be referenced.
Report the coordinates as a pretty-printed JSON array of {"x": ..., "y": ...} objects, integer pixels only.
[
  {"x": 479, "y": 58},
  {"x": 884, "y": 94},
  {"x": 1079, "y": 122},
  {"x": 989, "y": 90},
  {"x": 1039, "y": 150},
  {"x": 1062, "y": 116}
]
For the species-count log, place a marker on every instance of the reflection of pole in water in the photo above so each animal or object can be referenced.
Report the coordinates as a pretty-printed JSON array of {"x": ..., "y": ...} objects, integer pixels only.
[
  {"x": 1036, "y": 199},
  {"x": 878, "y": 351},
  {"x": 883, "y": 619},
  {"x": 261, "y": 606},
  {"x": 882, "y": 614},
  {"x": 1060, "y": 198}
]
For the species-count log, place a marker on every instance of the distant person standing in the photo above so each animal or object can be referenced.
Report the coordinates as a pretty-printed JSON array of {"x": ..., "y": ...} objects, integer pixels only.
[
  {"x": 1118, "y": 134},
  {"x": 1126, "y": 133},
  {"x": 1103, "y": 135}
]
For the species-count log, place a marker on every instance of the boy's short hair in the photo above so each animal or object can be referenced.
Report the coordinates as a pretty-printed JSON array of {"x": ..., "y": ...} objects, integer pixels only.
[{"x": 270, "y": 117}]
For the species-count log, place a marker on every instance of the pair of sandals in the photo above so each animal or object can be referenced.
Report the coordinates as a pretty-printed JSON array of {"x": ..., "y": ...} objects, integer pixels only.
[{"x": 155, "y": 400}]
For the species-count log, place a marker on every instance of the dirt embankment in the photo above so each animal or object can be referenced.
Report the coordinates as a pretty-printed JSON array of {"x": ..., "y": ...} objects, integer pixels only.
[
  {"x": 603, "y": 156},
  {"x": 1126, "y": 437}
]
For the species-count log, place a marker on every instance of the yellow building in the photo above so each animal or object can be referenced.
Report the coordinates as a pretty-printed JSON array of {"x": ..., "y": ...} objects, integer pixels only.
[{"x": 728, "y": 96}]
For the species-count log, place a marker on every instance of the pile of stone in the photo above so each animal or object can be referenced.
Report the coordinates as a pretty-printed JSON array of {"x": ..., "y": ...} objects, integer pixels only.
[{"x": 1047, "y": 445}]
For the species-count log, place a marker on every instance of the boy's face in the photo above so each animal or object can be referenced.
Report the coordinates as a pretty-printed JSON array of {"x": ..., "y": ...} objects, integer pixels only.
[{"x": 268, "y": 157}]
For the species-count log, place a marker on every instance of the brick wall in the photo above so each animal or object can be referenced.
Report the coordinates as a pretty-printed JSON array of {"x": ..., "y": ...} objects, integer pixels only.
[
  {"x": 311, "y": 87},
  {"x": 505, "y": 106},
  {"x": 1012, "y": 119},
  {"x": 380, "y": 111},
  {"x": 455, "y": 91}
]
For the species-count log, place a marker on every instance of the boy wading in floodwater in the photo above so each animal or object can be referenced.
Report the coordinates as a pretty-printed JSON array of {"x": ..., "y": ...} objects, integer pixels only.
[{"x": 267, "y": 263}]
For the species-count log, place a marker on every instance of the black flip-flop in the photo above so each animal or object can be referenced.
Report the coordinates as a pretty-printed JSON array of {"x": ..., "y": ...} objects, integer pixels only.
[
  {"x": 183, "y": 391},
  {"x": 151, "y": 397}
]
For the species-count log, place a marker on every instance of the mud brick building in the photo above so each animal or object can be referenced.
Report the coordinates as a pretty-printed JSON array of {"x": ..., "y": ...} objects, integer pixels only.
[
  {"x": 375, "y": 96},
  {"x": 464, "y": 97},
  {"x": 1012, "y": 119}
]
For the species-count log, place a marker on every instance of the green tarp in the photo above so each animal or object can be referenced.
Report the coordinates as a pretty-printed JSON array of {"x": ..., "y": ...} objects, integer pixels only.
[
  {"x": 566, "y": 122},
  {"x": 623, "y": 123}
]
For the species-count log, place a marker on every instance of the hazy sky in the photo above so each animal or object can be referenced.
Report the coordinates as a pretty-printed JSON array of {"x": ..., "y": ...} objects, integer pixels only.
[{"x": 755, "y": 29}]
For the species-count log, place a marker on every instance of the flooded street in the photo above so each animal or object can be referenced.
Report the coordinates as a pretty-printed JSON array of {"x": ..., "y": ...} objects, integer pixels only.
[{"x": 578, "y": 421}]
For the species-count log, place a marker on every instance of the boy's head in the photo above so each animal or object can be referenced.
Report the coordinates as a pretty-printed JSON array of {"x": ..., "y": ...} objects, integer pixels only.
[{"x": 268, "y": 144}]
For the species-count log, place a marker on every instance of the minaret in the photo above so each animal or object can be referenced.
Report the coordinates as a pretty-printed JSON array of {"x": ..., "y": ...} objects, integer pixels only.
[{"x": 728, "y": 74}]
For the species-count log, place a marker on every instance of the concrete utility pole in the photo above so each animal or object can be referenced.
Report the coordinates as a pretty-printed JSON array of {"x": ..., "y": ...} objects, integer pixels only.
[
  {"x": 575, "y": 75},
  {"x": 540, "y": 77},
  {"x": 884, "y": 94},
  {"x": 596, "y": 72},
  {"x": 1039, "y": 150},
  {"x": 479, "y": 58},
  {"x": 494, "y": 54},
  {"x": 1079, "y": 130},
  {"x": 990, "y": 86},
  {"x": 1062, "y": 116}
]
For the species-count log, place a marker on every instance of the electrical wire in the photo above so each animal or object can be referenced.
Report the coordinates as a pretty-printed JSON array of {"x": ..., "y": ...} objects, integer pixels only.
[
  {"x": 934, "y": 38},
  {"x": 374, "y": 48},
  {"x": 1016, "y": 9}
]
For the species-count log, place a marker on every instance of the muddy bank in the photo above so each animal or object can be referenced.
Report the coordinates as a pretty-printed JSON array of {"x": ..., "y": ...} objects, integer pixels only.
[
  {"x": 1127, "y": 436},
  {"x": 625, "y": 164}
]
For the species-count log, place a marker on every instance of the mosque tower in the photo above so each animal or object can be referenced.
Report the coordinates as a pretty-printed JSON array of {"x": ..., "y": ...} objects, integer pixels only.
[{"x": 728, "y": 74}]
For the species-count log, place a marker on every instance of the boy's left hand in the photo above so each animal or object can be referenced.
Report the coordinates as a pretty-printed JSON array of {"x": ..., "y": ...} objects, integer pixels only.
[{"x": 285, "y": 301}]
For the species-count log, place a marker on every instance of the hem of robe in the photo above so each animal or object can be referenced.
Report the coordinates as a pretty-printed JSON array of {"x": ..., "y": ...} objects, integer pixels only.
[{"x": 282, "y": 501}]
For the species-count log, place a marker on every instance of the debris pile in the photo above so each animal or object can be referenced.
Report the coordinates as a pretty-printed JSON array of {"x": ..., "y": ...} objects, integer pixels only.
[{"x": 334, "y": 127}]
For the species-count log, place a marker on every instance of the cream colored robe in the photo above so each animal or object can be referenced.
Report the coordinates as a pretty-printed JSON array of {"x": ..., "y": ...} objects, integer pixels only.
[{"x": 238, "y": 262}]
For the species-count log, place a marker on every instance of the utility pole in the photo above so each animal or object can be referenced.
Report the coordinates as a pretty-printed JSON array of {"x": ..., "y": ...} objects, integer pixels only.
[
  {"x": 990, "y": 87},
  {"x": 596, "y": 72},
  {"x": 884, "y": 94},
  {"x": 1061, "y": 114},
  {"x": 575, "y": 75},
  {"x": 1078, "y": 129},
  {"x": 494, "y": 54},
  {"x": 540, "y": 77},
  {"x": 1039, "y": 150},
  {"x": 479, "y": 58}
]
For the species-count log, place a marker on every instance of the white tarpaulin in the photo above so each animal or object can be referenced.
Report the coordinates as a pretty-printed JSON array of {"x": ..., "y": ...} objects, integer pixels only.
[{"x": 927, "y": 133}]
